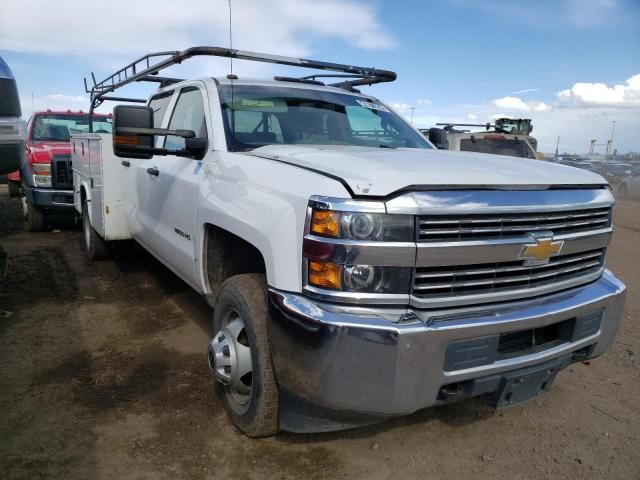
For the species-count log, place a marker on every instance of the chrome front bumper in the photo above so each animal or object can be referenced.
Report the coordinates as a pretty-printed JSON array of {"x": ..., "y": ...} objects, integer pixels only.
[{"x": 391, "y": 361}]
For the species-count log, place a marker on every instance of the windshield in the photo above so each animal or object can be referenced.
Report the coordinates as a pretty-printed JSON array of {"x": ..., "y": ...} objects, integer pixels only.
[
  {"x": 256, "y": 116},
  {"x": 60, "y": 127}
]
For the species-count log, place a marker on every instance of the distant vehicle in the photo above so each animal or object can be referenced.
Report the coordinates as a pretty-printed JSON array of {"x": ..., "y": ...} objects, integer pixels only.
[
  {"x": 508, "y": 136},
  {"x": 45, "y": 178},
  {"x": 630, "y": 186},
  {"x": 11, "y": 133},
  {"x": 11, "y": 125}
]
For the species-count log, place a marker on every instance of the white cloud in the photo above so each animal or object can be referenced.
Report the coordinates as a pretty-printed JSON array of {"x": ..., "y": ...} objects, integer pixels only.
[
  {"x": 510, "y": 103},
  {"x": 58, "y": 97},
  {"x": 539, "y": 106},
  {"x": 424, "y": 101},
  {"x": 517, "y": 104},
  {"x": 471, "y": 116},
  {"x": 400, "y": 108},
  {"x": 126, "y": 28},
  {"x": 601, "y": 95}
]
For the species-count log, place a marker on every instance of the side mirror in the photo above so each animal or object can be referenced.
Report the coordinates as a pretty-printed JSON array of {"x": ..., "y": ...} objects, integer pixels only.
[
  {"x": 126, "y": 142},
  {"x": 134, "y": 135}
]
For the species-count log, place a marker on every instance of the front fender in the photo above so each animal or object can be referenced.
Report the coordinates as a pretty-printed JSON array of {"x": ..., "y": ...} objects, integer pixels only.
[{"x": 263, "y": 202}]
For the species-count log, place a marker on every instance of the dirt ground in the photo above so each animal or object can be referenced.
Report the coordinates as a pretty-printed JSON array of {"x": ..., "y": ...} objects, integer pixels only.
[{"x": 103, "y": 375}]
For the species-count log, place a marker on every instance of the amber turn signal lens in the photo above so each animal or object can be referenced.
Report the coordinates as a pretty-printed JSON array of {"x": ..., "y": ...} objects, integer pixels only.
[
  {"x": 325, "y": 223},
  {"x": 125, "y": 140},
  {"x": 325, "y": 275}
]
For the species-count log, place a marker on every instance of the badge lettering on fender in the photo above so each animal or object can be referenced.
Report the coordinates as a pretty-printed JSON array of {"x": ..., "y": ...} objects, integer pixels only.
[{"x": 182, "y": 234}]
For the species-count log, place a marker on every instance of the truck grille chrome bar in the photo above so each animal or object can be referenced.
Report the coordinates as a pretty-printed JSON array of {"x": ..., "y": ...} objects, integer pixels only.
[
  {"x": 485, "y": 278},
  {"x": 451, "y": 228}
]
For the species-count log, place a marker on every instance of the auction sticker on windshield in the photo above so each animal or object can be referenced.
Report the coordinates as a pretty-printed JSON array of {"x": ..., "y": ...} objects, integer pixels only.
[{"x": 372, "y": 106}]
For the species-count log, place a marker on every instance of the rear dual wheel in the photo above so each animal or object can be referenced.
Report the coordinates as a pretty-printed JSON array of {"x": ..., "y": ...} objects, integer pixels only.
[
  {"x": 240, "y": 355},
  {"x": 94, "y": 245}
]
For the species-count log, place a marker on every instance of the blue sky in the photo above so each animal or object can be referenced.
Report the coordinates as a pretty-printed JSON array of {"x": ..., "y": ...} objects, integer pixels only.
[{"x": 571, "y": 65}]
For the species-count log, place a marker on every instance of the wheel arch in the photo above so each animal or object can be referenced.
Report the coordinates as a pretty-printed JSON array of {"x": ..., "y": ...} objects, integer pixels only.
[
  {"x": 225, "y": 254},
  {"x": 85, "y": 196}
]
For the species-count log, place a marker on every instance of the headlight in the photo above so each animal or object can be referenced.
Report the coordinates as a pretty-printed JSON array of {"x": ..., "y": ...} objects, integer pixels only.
[
  {"x": 41, "y": 174},
  {"x": 362, "y": 226},
  {"x": 354, "y": 247},
  {"x": 358, "y": 278}
]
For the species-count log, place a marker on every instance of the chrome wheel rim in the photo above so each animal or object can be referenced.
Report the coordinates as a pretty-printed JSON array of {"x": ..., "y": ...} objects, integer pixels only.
[{"x": 229, "y": 357}]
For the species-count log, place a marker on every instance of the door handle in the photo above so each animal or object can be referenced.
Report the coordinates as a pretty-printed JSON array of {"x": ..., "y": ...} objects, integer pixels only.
[
  {"x": 126, "y": 163},
  {"x": 153, "y": 171}
]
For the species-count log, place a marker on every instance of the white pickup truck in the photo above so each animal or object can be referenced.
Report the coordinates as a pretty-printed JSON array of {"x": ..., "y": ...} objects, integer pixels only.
[{"x": 356, "y": 272}]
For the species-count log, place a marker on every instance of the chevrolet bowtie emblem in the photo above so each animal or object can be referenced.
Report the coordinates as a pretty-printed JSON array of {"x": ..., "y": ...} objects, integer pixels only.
[{"x": 540, "y": 250}]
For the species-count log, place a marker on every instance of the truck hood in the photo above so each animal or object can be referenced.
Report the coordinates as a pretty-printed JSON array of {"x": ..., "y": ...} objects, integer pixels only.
[
  {"x": 382, "y": 171},
  {"x": 42, "y": 149}
]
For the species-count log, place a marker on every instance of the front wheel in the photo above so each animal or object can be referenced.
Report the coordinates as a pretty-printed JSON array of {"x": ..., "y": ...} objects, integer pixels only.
[
  {"x": 240, "y": 355},
  {"x": 33, "y": 217},
  {"x": 94, "y": 245}
]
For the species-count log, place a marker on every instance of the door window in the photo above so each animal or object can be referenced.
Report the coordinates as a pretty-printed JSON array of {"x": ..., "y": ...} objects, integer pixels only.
[
  {"x": 159, "y": 105},
  {"x": 188, "y": 114}
]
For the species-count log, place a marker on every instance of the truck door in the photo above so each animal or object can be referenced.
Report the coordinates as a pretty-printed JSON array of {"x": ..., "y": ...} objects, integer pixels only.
[
  {"x": 134, "y": 177},
  {"x": 173, "y": 187}
]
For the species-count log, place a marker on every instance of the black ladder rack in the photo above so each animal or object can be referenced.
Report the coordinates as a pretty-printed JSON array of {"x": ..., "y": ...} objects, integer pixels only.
[{"x": 144, "y": 70}]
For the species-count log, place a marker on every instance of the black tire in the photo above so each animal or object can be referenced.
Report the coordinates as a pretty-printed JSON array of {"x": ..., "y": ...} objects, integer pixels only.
[
  {"x": 94, "y": 245},
  {"x": 34, "y": 218},
  {"x": 14, "y": 189},
  {"x": 246, "y": 294}
]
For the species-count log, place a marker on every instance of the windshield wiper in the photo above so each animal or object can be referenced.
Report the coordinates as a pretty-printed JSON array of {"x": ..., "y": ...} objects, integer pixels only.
[{"x": 384, "y": 145}]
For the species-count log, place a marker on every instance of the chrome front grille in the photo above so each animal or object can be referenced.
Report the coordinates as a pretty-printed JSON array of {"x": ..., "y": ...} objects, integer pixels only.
[
  {"x": 474, "y": 246},
  {"x": 451, "y": 228},
  {"x": 479, "y": 279}
]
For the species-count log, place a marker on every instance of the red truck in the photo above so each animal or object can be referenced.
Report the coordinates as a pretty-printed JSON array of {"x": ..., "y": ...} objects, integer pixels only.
[{"x": 45, "y": 178}]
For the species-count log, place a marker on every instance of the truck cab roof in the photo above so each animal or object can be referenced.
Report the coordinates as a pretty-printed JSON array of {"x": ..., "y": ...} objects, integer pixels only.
[{"x": 5, "y": 71}]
